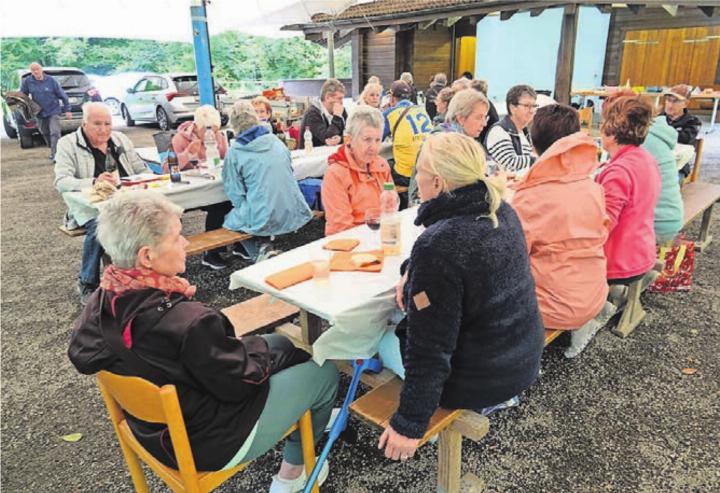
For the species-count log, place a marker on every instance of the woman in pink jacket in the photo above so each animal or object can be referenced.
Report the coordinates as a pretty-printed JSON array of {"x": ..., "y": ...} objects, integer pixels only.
[
  {"x": 356, "y": 173},
  {"x": 188, "y": 143},
  {"x": 631, "y": 180}
]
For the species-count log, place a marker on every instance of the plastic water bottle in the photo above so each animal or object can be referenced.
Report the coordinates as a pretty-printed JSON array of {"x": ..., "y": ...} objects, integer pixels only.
[
  {"x": 211, "y": 150},
  {"x": 307, "y": 137},
  {"x": 390, "y": 220}
]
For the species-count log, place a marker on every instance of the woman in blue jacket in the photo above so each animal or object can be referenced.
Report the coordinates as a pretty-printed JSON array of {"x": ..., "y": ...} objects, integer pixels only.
[{"x": 259, "y": 181}]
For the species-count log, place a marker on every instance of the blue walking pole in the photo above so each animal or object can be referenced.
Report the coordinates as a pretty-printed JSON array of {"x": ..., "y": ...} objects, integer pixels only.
[{"x": 340, "y": 423}]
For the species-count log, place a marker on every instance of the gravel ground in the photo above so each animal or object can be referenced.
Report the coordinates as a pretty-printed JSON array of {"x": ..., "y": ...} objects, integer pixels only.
[{"x": 622, "y": 417}]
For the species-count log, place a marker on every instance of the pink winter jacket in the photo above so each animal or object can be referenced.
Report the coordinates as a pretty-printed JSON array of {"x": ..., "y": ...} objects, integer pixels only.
[
  {"x": 182, "y": 139},
  {"x": 631, "y": 180},
  {"x": 562, "y": 211}
]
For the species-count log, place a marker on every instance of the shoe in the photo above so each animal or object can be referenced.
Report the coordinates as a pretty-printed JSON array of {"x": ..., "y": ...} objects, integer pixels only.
[
  {"x": 85, "y": 291},
  {"x": 280, "y": 485},
  {"x": 239, "y": 251},
  {"x": 214, "y": 261},
  {"x": 512, "y": 402},
  {"x": 266, "y": 252}
]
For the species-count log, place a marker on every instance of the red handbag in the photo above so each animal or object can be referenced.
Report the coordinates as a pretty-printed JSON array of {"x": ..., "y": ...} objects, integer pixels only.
[{"x": 678, "y": 259}]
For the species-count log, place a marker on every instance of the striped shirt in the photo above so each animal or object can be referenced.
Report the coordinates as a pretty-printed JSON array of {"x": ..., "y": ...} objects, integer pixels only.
[{"x": 500, "y": 146}]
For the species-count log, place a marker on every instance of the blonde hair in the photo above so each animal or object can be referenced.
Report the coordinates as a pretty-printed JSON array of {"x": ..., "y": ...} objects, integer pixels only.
[
  {"x": 262, "y": 100},
  {"x": 374, "y": 79},
  {"x": 369, "y": 87},
  {"x": 207, "y": 116},
  {"x": 463, "y": 103},
  {"x": 407, "y": 77},
  {"x": 459, "y": 161}
]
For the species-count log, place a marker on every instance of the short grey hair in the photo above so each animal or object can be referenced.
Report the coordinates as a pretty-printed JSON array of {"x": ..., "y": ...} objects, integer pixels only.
[
  {"x": 129, "y": 221},
  {"x": 463, "y": 103},
  {"x": 440, "y": 78},
  {"x": 364, "y": 116},
  {"x": 407, "y": 77},
  {"x": 460, "y": 84},
  {"x": 94, "y": 105},
  {"x": 207, "y": 116},
  {"x": 243, "y": 116},
  {"x": 331, "y": 86}
]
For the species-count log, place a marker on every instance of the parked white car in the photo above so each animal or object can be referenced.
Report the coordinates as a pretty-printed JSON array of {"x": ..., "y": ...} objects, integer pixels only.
[{"x": 168, "y": 99}]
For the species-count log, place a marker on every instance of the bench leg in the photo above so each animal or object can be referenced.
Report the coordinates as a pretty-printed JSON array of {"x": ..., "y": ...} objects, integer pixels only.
[
  {"x": 633, "y": 313},
  {"x": 705, "y": 236},
  {"x": 449, "y": 460},
  {"x": 311, "y": 327}
]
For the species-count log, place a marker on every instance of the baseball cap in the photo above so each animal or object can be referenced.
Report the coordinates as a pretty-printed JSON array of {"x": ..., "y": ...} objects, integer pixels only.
[
  {"x": 680, "y": 91},
  {"x": 400, "y": 89}
]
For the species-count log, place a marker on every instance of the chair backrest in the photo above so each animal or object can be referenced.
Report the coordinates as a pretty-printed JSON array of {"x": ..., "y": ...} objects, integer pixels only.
[
  {"x": 162, "y": 140},
  {"x": 153, "y": 404},
  {"x": 695, "y": 173}
]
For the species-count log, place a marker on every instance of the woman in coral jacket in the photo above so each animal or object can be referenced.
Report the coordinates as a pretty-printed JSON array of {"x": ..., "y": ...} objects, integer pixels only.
[
  {"x": 562, "y": 211},
  {"x": 631, "y": 180},
  {"x": 356, "y": 173}
]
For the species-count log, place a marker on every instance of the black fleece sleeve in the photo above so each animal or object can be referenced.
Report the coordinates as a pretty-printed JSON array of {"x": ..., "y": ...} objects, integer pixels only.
[
  {"x": 434, "y": 310},
  {"x": 689, "y": 131}
]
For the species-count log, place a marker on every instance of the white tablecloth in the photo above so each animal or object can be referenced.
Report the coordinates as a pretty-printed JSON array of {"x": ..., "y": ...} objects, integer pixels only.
[{"x": 357, "y": 304}]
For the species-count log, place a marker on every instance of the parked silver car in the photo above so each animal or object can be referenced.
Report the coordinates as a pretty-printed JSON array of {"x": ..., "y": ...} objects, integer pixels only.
[{"x": 168, "y": 99}]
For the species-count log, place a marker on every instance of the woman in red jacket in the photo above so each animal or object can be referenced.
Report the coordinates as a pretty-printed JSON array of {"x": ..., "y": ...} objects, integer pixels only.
[{"x": 631, "y": 181}]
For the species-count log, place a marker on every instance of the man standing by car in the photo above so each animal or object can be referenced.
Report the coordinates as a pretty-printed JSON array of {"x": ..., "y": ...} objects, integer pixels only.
[
  {"x": 82, "y": 160},
  {"x": 46, "y": 92}
]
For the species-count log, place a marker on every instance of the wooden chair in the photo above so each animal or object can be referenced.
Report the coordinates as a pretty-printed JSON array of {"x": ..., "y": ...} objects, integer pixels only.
[
  {"x": 154, "y": 404},
  {"x": 695, "y": 173}
]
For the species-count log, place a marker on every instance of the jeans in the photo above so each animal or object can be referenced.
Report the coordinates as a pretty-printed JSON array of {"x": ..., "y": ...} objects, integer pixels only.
[
  {"x": 91, "y": 255},
  {"x": 292, "y": 392},
  {"x": 253, "y": 245},
  {"x": 50, "y": 130}
]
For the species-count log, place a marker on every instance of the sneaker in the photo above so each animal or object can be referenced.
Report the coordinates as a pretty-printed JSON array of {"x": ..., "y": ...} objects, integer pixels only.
[
  {"x": 266, "y": 252},
  {"x": 239, "y": 251},
  {"x": 512, "y": 402},
  {"x": 214, "y": 261},
  {"x": 280, "y": 485},
  {"x": 85, "y": 290}
]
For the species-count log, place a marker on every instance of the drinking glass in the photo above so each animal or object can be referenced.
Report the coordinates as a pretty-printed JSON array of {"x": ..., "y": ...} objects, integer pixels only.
[
  {"x": 372, "y": 220},
  {"x": 321, "y": 265}
]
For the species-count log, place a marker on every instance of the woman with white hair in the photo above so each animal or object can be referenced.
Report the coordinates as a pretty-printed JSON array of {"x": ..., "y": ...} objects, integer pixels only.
[
  {"x": 371, "y": 95},
  {"x": 472, "y": 336},
  {"x": 258, "y": 180},
  {"x": 356, "y": 173},
  {"x": 189, "y": 141},
  {"x": 238, "y": 396},
  {"x": 407, "y": 77}
]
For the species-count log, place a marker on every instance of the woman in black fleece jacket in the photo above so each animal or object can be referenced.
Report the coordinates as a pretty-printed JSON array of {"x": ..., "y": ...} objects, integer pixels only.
[{"x": 473, "y": 335}]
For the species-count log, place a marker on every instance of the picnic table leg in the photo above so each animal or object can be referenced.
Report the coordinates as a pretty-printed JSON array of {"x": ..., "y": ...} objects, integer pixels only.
[
  {"x": 449, "y": 460},
  {"x": 310, "y": 325},
  {"x": 633, "y": 313},
  {"x": 705, "y": 236}
]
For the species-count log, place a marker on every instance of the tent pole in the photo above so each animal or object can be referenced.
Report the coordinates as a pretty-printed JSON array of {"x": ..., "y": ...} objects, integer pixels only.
[
  {"x": 201, "y": 45},
  {"x": 331, "y": 53}
]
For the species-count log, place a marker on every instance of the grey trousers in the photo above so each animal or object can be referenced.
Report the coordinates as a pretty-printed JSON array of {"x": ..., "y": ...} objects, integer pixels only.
[{"x": 50, "y": 130}]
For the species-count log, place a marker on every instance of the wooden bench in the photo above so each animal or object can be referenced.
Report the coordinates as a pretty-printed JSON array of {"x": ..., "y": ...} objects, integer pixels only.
[
  {"x": 259, "y": 314},
  {"x": 699, "y": 198},
  {"x": 378, "y": 406},
  {"x": 72, "y": 232},
  {"x": 209, "y": 240}
]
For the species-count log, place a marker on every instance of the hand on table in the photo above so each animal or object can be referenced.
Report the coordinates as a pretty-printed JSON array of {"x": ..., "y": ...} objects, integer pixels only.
[
  {"x": 332, "y": 141},
  {"x": 399, "y": 291},
  {"x": 397, "y": 446},
  {"x": 108, "y": 177}
]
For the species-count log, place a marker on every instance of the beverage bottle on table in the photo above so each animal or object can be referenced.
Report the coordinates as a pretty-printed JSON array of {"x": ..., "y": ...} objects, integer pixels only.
[
  {"x": 173, "y": 166},
  {"x": 211, "y": 149},
  {"x": 390, "y": 220},
  {"x": 307, "y": 137}
]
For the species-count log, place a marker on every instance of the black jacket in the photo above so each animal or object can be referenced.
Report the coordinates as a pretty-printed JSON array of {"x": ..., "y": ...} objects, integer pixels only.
[
  {"x": 430, "y": 97},
  {"x": 474, "y": 334},
  {"x": 687, "y": 127},
  {"x": 320, "y": 128},
  {"x": 493, "y": 118},
  {"x": 191, "y": 346}
]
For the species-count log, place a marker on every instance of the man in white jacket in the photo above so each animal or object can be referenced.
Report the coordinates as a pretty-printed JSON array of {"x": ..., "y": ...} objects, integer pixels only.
[{"x": 93, "y": 153}]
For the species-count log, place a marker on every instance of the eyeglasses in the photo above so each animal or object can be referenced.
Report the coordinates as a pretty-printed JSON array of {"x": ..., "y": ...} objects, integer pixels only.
[{"x": 529, "y": 106}]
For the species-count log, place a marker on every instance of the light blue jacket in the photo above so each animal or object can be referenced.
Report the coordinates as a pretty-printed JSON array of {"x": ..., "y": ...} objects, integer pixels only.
[
  {"x": 259, "y": 181},
  {"x": 660, "y": 142}
]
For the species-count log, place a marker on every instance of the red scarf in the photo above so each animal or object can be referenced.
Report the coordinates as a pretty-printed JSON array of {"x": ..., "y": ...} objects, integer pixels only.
[{"x": 120, "y": 280}]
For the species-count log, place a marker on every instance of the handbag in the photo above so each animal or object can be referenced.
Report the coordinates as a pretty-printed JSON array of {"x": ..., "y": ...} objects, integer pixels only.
[{"x": 678, "y": 258}]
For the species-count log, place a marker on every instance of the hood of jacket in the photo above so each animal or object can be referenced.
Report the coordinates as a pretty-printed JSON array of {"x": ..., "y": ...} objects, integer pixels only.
[
  {"x": 571, "y": 158},
  {"x": 664, "y": 132},
  {"x": 254, "y": 139},
  {"x": 468, "y": 200},
  {"x": 344, "y": 157}
]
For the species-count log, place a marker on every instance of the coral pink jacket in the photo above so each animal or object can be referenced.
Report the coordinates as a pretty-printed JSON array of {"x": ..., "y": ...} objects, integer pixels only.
[
  {"x": 562, "y": 211},
  {"x": 350, "y": 188},
  {"x": 631, "y": 180},
  {"x": 182, "y": 139}
]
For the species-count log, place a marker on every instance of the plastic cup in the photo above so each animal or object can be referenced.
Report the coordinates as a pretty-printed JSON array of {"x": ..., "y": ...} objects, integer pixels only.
[{"x": 321, "y": 265}]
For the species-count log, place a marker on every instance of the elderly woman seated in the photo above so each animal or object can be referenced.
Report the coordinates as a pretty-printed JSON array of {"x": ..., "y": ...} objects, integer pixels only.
[
  {"x": 632, "y": 183},
  {"x": 565, "y": 243},
  {"x": 189, "y": 146},
  {"x": 356, "y": 173},
  {"x": 258, "y": 180},
  {"x": 509, "y": 141},
  {"x": 472, "y": 336},
  {"x": 371, "y": 95},
  {"x": 142, "y": 322},
  {"x": 263, "y": 109}
]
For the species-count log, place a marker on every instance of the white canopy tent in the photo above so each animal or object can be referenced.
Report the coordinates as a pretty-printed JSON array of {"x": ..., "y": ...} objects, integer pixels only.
[{"x": 160, "y": 20}]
